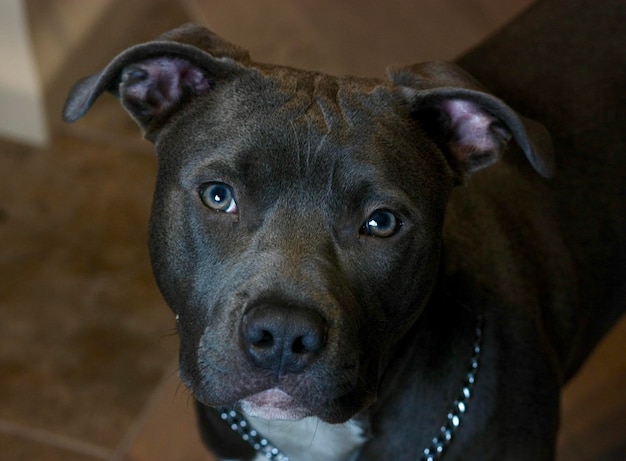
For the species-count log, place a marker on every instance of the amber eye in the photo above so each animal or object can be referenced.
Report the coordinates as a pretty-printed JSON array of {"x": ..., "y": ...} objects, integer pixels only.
[
  {"x": 218, "y": 196},
  {"x": 381, "y": 223}
]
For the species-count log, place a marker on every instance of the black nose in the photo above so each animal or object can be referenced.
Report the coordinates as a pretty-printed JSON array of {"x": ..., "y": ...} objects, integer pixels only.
[{"x": 284, "y": 339}]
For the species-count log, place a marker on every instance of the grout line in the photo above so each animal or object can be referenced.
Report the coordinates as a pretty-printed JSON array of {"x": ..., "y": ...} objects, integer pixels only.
[
  {"x": 138, "y": 425},
  {"x": 55, "y": 440}
]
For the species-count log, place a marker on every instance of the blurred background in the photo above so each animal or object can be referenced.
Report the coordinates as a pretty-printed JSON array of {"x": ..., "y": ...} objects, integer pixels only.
[{"x": 87, "y": 346}]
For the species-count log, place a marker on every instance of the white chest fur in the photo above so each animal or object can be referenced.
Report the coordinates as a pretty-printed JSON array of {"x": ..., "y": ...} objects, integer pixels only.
[{"x": 311, "y": 439}]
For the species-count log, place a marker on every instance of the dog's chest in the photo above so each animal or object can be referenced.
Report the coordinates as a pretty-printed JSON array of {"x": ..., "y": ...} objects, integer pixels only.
[{"x": 311, "y": 439}]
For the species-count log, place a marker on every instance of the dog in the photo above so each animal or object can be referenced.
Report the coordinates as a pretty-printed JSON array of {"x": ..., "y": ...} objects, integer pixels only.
[{"x": 372, "y": 269}]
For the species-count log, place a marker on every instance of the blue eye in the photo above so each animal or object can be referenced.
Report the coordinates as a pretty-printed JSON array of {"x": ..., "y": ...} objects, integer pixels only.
[
  {"x": 218, "y": 196},
  {"x": 382, "y": 223}
]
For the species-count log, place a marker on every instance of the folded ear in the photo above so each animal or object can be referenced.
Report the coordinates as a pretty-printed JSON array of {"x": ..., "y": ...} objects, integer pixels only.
[
  {"x": 154, "y": 79},
  {"x": 471, "y": 126}
]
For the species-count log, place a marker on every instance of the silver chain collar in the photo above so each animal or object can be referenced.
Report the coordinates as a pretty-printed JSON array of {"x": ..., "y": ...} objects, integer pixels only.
[
  {"x": 459, "y": 407},
  {"x": 434, "y": 451},
  {"x": 239, "y": 424}
]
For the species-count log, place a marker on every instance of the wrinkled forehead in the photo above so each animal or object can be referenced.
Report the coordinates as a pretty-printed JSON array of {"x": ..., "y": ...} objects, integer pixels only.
[
  {"x": 297, "y": 124},
  {"x": 321, "y": 104}
]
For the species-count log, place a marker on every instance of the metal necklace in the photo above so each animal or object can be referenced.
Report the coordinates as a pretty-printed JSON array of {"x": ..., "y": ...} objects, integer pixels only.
[
  {"x": 459, "y": 407},
  {"x": 239, "y": 424},
  {"x": 434, "y": 451}
]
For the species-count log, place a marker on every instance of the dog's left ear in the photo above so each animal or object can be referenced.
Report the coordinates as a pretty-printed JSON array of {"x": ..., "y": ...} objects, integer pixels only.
[
  {"x": 471, "y": 126},
  {"x": 154, "y": 79}
]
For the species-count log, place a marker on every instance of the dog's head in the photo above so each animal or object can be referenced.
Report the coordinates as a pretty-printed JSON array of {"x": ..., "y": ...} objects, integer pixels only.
[{"x": 296, "y": 225}]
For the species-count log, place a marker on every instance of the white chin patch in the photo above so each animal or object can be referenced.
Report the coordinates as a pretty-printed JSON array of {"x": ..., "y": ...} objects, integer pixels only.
[{"x": 273, "y": 404}]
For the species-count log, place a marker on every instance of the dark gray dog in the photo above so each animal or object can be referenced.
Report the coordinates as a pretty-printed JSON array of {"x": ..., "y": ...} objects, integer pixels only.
[{"x": 324, "y": 268}]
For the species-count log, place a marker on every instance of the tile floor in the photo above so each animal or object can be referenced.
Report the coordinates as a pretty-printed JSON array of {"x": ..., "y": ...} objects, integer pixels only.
[{"x": 87, "y": 350}]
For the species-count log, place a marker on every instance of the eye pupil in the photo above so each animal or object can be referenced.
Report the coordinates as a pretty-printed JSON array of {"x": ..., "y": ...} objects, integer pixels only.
[
  {"x": 219, "y": 194},
  {"x": 382, "y": 223},
  {"x": 219, "y": 197}
]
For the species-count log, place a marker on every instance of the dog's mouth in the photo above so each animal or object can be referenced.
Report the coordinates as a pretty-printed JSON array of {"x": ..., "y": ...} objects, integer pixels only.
[
  {"x": 273, "y": 404},
  {"x": 287, "y": 363}
]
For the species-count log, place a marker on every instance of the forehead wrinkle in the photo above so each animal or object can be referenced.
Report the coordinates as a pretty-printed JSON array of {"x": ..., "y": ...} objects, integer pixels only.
[
  {"x": 327, "y": 126},
  {"x": 322, "y": 159},
  {"x": 329, "y": 98}
]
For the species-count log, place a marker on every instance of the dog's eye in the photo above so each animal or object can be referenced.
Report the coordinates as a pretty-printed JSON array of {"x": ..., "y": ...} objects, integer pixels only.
[
  {"x": 218, "y": 196},
  {"x": 381, "y": 223}
]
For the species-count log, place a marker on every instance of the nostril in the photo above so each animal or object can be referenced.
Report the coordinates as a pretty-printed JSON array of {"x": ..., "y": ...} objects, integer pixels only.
[
  {"x": 298, "y": 346},
  {"x": 259, "y": 337},
  {"x": 266, "y": 339},
  {"x": 312, "y": 342}
]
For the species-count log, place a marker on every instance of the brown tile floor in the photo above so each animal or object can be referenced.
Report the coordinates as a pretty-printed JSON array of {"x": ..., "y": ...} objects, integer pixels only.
[
  {"x": 87, "y": 354},
  {"x": 85, "y": 336}
]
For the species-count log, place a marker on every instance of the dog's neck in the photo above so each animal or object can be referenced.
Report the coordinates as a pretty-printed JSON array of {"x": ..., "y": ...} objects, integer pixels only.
[{"x": 312, "y": 439}]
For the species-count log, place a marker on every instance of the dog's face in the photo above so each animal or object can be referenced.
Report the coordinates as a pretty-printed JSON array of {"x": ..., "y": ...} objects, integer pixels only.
[
  {"x": 296, "y": 226},
  {"x": 283, "y": 229}
]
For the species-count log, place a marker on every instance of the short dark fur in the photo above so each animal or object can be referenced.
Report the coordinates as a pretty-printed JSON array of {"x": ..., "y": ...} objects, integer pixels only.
[{"x": 390, "y": 321}]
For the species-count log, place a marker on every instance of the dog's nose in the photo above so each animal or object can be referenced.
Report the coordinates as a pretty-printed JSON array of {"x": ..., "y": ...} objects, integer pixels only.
[{"x": 284, "y": 339}]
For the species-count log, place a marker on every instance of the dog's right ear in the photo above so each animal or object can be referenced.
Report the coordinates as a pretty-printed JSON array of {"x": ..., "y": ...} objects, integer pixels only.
[
  {"x": 471, "y": 126},
  {"x": 154, "y": 79}
]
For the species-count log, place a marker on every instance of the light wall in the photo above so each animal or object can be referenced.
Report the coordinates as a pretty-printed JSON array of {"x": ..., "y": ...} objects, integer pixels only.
[{"x": 22, "y": 112}]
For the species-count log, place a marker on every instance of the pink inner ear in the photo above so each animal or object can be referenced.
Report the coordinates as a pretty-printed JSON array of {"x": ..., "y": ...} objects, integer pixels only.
[
  {"x": 183, "y": 75},
  {"x": 161, "y": 83},
  {"x": 470, "y": 127}
]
